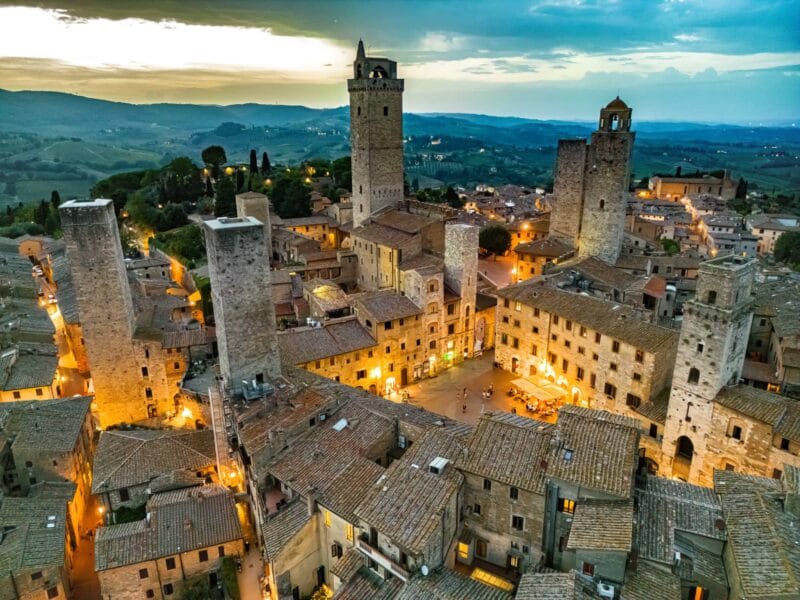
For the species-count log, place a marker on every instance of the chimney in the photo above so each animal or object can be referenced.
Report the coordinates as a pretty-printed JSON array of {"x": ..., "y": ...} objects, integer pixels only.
[{"x": 311, "y": 500}]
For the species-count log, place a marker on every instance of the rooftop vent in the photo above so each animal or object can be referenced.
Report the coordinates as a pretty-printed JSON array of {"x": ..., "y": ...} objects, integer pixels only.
[
  {"x": 340, "y": 424},
  {"x": 438, "y": 464}
]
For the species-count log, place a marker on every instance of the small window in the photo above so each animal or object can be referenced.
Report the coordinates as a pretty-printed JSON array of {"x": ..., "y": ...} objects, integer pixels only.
[
  {"x": 385, "y": 111},
  {"x": 476, "y": 509},
  {"x": 221, "y": 551},
  {"x": 451, "y": 329},
  {"x": 535, "y": 312},
  {"x": 712, "y": 297},
  {"x": 517, "y": 522},
  {"x": 28, "y": 464},
  {"x": 566, "y": 505},
  {"x": 610, "y": 390},
  {"x": 52, "y": 592},
  {"x": 124, "y": 495},
  {"x": 612, "y": 366},
  {"x": 730, "y": 467},
  {"x": 144, "y": 371},
  {"x": 170, "y": 562},
  {"x": 736, "y": 432},
  {"x": 17, "y": 395},
  {"x": 637, "y": 376},
  {"x": 597, "y": 338},
  {"x": 784, "y": 444},
  {"x": 168, "y": 589},
  {"x": 487, "y": 485},
  {"x": 202, "y": 556},
  {"x": 555, "y": 319},
  {"x": 653, "y": 430},
  {"x": 143, "y": 574},
  {"x": 579, "y": 374},
  {"x": 39, "y": 392},
  {"x": 700, "y": 347},
  {"x": 615, "y": 346},
  {"x": 517, "y": 306},
  {"x": 327, "y": 518},
  {"x": 633, "y": 401},
  {"x": 694, "y": 375},
  {"x": 149, "y": 594},
  {"x": 37, "y": 575},
  {"x": 513, "y": 493}
]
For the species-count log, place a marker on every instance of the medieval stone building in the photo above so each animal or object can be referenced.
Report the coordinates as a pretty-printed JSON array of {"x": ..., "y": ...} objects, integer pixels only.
[
  {"x": 376, "y": 130},
  {"x": 591, "y": 185}
]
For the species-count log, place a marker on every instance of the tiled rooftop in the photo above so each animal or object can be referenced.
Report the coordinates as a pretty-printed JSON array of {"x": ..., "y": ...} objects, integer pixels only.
[
  {"x": 300, "y": 346},
  {"x": 602, "y": 525}
]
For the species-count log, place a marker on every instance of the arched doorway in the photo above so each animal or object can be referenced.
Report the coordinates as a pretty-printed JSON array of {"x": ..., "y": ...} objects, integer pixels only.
[
  {"x": 682, "y": 463},
  {"x": 514, "y": 364}
]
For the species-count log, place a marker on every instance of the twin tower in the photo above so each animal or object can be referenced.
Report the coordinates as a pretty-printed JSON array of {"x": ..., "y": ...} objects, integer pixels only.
[{"x": 591, "y": 186}]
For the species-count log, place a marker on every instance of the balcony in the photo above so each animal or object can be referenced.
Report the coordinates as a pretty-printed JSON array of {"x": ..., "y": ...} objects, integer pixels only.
[{"x": 387, "y": 563}]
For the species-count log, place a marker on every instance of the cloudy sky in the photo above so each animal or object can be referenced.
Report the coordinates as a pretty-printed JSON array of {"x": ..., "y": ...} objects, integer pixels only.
[{"x": 700, "y": 60}]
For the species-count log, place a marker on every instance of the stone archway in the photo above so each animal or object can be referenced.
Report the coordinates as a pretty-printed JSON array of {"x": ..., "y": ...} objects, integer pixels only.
[{"x": 682, "y": 462}]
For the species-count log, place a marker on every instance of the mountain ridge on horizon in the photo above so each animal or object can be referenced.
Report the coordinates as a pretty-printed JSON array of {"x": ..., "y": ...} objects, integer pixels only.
[{"x": 244, "y": 109}]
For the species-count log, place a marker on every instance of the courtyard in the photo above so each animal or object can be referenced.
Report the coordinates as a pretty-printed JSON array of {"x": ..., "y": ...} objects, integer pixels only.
[{"x": 444, "y": 393}]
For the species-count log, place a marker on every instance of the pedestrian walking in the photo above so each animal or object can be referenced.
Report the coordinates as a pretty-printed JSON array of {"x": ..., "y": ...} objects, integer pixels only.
[{"x": 465, "y": 394}]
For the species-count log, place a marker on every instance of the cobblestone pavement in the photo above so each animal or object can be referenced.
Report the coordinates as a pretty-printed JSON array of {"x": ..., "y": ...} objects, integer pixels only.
[{"x": 443, "y": 394}]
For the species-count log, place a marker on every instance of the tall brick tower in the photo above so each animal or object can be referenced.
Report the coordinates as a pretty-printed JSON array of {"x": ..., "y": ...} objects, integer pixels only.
[
  {"x": 565, "y": 218},
  {"x": 711, "y": 352},
  {"x": 461, "y": 275},
  {"x": 238, "y": 267},
  {"x": 106, "y": 309},
  {"x": 605, "y": 183},
  {"x": 376, "y": 134}
]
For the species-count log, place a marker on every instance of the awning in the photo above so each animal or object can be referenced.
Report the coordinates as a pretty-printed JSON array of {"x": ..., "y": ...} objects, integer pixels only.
[{"x": 544, "y": 392}]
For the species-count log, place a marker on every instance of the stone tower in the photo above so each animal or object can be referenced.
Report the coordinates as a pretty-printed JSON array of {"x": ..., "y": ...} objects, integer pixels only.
[
  {"x": 106, "y": 309},
  {"x": 253, "y": 204},
  {"x": 238, "y": 267},
  {"x": 376, "y": 135},
  {"x": 711, "y": 352},
  {"x": 461, "y": 274},
  {"x": 565, "y": 218},
  {"x": 605, "y": 184}
]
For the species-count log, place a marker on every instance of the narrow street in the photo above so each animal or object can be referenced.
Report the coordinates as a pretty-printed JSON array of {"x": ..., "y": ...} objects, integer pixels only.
[{"x": 85, "y": 584}]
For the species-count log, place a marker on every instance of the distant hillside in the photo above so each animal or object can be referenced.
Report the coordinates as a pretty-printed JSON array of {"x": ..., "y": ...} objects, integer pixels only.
[{"x": 51, "y": 140}]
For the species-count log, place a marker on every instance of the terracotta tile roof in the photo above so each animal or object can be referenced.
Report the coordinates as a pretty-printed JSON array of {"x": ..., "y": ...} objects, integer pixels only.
[
  {"x": 45, "y": 425},
  {"x": 730, "y": 482},
  {"x": 602, "y": 525},
  {"x": 366, "y": 585},
  {"x": 347, "y": 566},
  {"x": 782, "y": 413},
  {"x": 609, "y": 318},
  {"x": 329, "y": 448},
  {"x": 556, "y": 586},
  {"x": 386, "y": 306},
  {"x": 186, "y": 338},
  {"x": 403, "y": 221},
  {"x": 346, "y": 491},
  {"x": 406, "y": 503},
  {"x": 128, "y": 458},
  {"x": 549, "y": 247},
  {"x": 280, "y": 528},
  {"x": 649, "y": 582},
  {"x": 34, "y": 532},
  {"x": 380, "y": 234},
  {"x": 423, "y": 261},
  {"x": 656, "y": 410},
  {"x": 180, "y": 521},
  {"x": 495, "y": 448},
  {"x": 445, "y": 584},
  {"x": 30, "y": 371},
  {"x": 595, "y": 449},
  {"x": 666, "y": 506},
  {"x": 300, "y": 346},
  {"x": 762, "y": 538}
]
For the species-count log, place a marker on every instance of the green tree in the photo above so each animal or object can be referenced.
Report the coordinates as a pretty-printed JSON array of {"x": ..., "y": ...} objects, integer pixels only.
[
  {"x": 172, "y": 216},
  {"x": 253, "y": 162},
  {"x": 55, "y": 199},
  {"x": 787, "y": 249},
  {"x": 40, "y": 213},
  {"x": 671, "y": 247},
  {"x": 341, "y": 170},
  {"x": 225, "y": 205},
  {"x": 291, "y": 197},
  {"x": 495, "y": 239},
  {"x": 452, "y": 198},
  {"x": 266, "y": 168},
  {"x": 214, "y": 157},
  {"x": 196, "y": 589},
  {"x": 741, "y": 189},
  {"x": 209, "y": 188}
]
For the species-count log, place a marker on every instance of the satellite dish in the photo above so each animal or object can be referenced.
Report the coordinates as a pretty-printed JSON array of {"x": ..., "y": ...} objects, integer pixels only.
[{"x": 424, "y": 570}]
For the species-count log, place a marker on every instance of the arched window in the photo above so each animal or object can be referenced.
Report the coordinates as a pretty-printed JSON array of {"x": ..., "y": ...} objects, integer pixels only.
[
  {"x": 694, "y": 375},
  {"x": 379, "y": 73},
  {"x": 614, "y": 122},
  {"x": 712, "y": 297},
  {"x": 466, "y": 312}
]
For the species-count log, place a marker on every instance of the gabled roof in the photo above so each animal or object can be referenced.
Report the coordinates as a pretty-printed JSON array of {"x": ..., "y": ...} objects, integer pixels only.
[
  {"x": 346, "y": 491},
  {"x": 46, "y": 425},
  {"x": 180, "y": 521},
  {"x": 280, "y": 528},
  {"x": 496, "y": 447},
  {"x": 650, "y": 582},
  {"x": 556, "y": 586},
  {"x": 300, "y": 346},
  {"x": 386, "y": 306},
  {"x": 602, "y": 525},
  {"x": 782, "y": 413},
  {"x": 445, "y": 584},
  {"x": 128, "y": 458},
  {"x": 595, "y": 449}
]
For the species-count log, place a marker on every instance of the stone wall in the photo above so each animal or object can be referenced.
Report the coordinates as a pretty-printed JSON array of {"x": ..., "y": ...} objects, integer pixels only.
[
  {"x": 376, "y": 133},
  {"x": 565, "y": 218},
  {"x": 243, "y": 310},
  {"x": 106, "y": 309},
  {"x": 605, "y": 195}
]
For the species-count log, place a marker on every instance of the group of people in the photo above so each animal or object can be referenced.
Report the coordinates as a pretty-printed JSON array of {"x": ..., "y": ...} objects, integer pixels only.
[{"x": 487, "y": 393}]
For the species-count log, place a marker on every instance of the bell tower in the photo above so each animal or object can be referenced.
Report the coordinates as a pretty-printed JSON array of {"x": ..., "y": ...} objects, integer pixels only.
[
  {"x": 606, "y": 181},
  {"x": 376, "y": 134}
]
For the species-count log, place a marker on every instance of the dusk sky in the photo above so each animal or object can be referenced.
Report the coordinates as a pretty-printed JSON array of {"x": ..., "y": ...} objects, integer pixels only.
[{"x": 695, "y": 60}]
